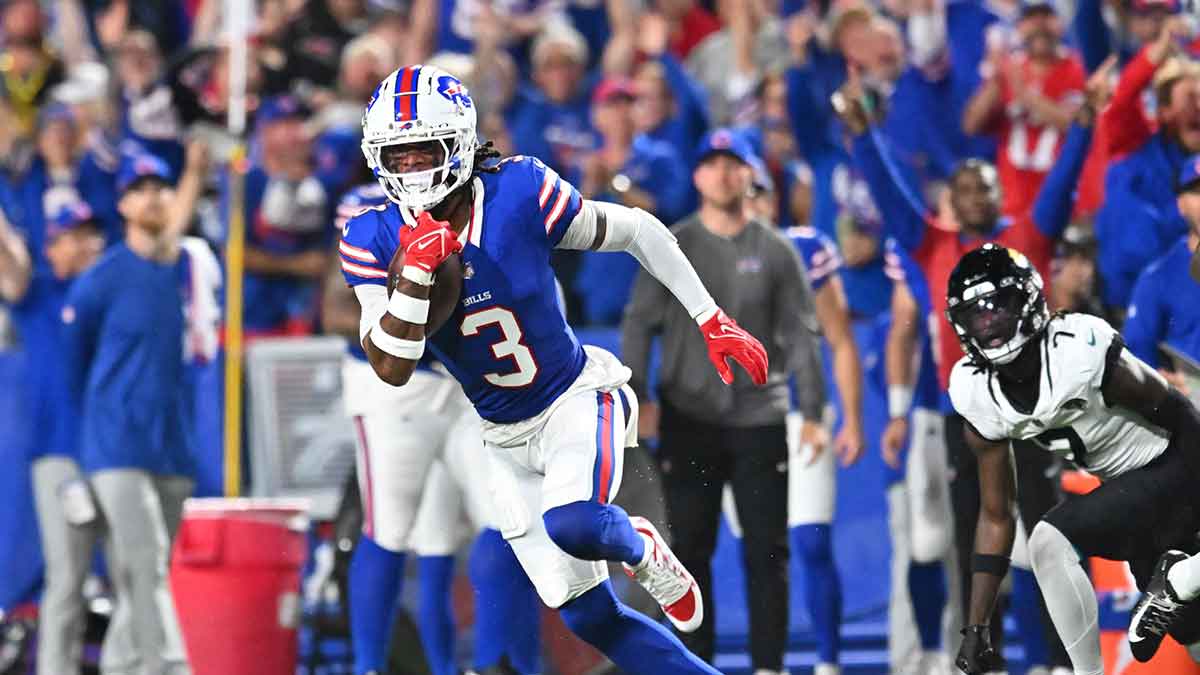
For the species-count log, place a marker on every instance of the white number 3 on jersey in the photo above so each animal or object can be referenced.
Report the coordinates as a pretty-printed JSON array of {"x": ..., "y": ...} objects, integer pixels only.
[{"x": 509, "y": 347}]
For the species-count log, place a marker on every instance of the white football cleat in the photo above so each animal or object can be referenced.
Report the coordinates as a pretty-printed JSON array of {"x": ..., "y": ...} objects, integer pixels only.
[{"x": 666, "y": 579}]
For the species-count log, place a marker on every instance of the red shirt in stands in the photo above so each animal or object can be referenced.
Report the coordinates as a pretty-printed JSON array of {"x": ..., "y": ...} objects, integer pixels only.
[
  {"x": 693, "y": 27},
  {"x": 941, "y": 249},
  {"x": 1027, "y": 149}
]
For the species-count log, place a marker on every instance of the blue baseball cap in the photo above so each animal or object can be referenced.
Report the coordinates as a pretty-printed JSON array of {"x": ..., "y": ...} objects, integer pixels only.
[
  {"x": 68, "y": 217},
  {"x": 1189, "y": 175},
  {"x": 725, "y": 141},
  {"x": 55, "y": 112},
  {"x": 278, "y": 108},
  {"x": 1034, "y": 6},
  {"x": 135, "y": 168}
]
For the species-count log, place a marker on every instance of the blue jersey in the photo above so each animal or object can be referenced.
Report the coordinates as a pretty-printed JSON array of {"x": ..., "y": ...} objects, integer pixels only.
[
  {"x": 507, "y": 342},
  {"x": 1165, "y": 308},
  {"x": 902, "y": 269},
  {"x": 819, "y": 253},
  {"x": 123, "y": 326},
  {"x": 283, "y": 219},
  {"x": 357, "y": 201}
]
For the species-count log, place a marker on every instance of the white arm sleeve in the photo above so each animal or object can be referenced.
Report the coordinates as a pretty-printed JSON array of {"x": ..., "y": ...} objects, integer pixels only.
[
  {"x": 373, "y": 300},
  {"x": 601, "y": 226}
]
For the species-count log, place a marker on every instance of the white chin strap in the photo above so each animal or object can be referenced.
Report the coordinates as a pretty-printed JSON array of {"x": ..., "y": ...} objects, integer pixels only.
[{"x": 417, "y": 191}]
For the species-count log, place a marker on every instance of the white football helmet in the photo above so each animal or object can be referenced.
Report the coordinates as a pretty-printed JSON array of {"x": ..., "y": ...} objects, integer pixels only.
[{"x": 418, "y": 104}]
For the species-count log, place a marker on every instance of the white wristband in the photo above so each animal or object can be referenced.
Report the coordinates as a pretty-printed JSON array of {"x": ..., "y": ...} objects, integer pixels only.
[
  {"x": 417, "y": 275},
  {"x": 899, "y": 400},
  {"x": 407, "y": 308},
  {"x": 398, "y": 347}
]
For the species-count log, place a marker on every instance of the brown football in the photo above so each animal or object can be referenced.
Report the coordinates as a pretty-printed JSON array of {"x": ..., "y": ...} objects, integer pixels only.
[{"x": 447, "y": 287}]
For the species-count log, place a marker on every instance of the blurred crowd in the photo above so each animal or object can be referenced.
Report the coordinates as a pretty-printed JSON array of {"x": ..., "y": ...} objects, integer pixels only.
[
  {"x": 860, "y": 114},
  {"x": 614, "y": 95}
]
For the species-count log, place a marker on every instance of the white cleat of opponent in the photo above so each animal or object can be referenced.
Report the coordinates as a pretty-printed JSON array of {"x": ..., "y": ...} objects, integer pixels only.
[{"x": 666, "y": 579}]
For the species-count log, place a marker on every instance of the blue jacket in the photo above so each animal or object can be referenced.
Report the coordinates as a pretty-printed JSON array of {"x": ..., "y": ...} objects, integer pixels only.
[
  {"x": 690, "y": 120},
  {"x": 1165, "y": 308},
  {"x": 1139, "y": 220},
  {"x": 559, "y": 135}
]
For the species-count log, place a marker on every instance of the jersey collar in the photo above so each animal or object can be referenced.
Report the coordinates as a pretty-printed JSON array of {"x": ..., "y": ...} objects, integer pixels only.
[{"x": 473, "y": 232}]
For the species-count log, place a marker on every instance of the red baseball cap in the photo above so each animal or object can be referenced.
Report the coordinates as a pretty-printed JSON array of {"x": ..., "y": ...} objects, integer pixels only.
[
  {"x": 1171, "y": 6},
  {"x": 611, "y": 88}
]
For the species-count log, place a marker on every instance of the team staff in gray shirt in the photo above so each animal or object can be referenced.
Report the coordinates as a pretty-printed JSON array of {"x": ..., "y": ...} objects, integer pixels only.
[{"x": 710, "y": 434}]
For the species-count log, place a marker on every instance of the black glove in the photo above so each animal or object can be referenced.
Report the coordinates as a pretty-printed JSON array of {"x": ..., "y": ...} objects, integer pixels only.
[{"x": 976, "y": 655}]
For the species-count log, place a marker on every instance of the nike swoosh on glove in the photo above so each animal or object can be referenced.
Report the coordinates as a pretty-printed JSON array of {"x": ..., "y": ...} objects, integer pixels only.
[
  {"x": 727, "y": 340},
  {"x": 429, "y": 243},
  {"x": 976, "y": 655}
]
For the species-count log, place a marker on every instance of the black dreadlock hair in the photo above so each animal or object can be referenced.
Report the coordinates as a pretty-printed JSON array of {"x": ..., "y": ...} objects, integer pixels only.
[{"x": 483, "y": 153}]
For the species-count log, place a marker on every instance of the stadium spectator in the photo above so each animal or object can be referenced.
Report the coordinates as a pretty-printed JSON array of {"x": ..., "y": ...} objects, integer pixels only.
[
  {"x": 550, "y": 120},
  {"x": 1027, "y": 99},
  {"x": 711, "y": 434},
  {"x": 1140, "y": 218},
  {"x": 1137, "y": 24},
  {"x": 314, "y": 41},
  {"x": 1073, "y": 281},
  {"x": 631, "y": 169},
  {"x": 148, "y": 113},
  {"x": 123, "y": 323},
  {"x": 61, "y": 173},
  {"x": 286, "y": 210},
  {"x": 1164, "y": 307},
  {"x": 27, "y": 69},
  {"x": 690, "y": 24},
  {"x": 452, "y": 26},
  {"x": 669, "y": 105},
  {"x": 731, "y": 62}
]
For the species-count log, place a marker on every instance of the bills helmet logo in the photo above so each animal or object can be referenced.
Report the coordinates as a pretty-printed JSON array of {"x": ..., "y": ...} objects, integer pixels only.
[{"x": 454, "y": 91}]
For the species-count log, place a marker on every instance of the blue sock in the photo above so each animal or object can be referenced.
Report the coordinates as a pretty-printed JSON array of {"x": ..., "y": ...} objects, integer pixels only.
[
  {"x": 507, "y": 609},
  {"x": 631, "y": 640},
  {"x": 436, "y": 574},
  {"x": 822, "y": 587},
  {"x": 927, "y": 587},
  {"x": 593, "y": 531},
  {"x": 1027, "y": 615},
  {"x": 376, "y": 575}
]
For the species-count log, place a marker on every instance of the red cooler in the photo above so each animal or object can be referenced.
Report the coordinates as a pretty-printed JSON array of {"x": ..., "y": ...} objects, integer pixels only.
[{"x": 235, "y": 576}]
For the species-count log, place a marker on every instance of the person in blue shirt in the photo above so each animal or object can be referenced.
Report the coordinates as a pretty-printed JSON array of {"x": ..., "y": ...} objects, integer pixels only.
[
  {"x": 556, "y": 416},
  {"x": 670, "y": 105},
  {"x": 61, "y": 173},
  {"x": 550, "y": 116},
  {"x": 287, "y": 210},
  {"x": 812, "y": 484},
  {"x": 914, "y": 452},
  {"x": 1164, "y": 307},
  {"x": 629, "y": 169},
  {"x": 35, "y": 282},
  {"x": 123, "y": 329},
  {"x": 1140, "y": 220}
]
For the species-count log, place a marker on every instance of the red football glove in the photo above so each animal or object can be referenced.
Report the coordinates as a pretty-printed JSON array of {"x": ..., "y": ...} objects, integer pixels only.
[
  {"x": 727, "y": 340},
  {"x": 429, "y": 243}
]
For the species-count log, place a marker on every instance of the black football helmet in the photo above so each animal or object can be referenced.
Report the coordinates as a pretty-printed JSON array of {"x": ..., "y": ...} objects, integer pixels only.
[{"x": 995, "y": 303}]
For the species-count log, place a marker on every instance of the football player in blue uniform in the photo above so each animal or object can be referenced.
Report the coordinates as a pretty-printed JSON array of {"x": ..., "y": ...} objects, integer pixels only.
[
  {"x": 914, "y": 450},
  {"x": 396, "y": 427},
  {"x": 556, "y": 416}
]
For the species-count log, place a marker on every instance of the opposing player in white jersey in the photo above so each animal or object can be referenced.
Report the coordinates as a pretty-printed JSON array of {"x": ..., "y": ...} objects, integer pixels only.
[
  {"x": 556, "y": 417},
  {"x": 1067, "y": 382}
]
